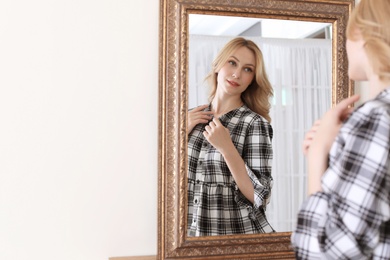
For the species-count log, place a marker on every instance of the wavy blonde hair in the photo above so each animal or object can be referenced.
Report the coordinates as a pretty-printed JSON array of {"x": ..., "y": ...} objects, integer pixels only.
[
  {"x": 257, "y": 95},
  {"x": 371, "y": 20}
]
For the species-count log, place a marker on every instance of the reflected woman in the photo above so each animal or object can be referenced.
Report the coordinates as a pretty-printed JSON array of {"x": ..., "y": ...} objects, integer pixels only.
[{"x": 229, "y": 147}]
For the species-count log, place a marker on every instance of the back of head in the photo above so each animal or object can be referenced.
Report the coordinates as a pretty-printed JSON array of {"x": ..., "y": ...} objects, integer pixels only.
[{"x": 371, "y": 18}]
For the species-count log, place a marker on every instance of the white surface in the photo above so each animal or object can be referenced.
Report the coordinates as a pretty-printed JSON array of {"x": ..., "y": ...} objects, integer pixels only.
[{"x": 78, "y": 135}]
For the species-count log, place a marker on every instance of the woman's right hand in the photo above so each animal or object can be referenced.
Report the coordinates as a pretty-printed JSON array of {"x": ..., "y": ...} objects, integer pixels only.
[
  {"x": 320, "y": 139},
  {"x": 325, "y": 132},
  {"x": 197, "y": 116},
  {"x": 327, "y": 128}
]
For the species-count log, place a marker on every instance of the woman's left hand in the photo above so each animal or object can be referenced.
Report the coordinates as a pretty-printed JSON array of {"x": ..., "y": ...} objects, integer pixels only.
[{"x": 218, "y": 135}]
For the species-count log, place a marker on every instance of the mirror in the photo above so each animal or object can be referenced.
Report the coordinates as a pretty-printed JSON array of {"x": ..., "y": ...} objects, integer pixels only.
[
  {"x": 298, "y": 61},
  {"x": 173, "y": 103}
]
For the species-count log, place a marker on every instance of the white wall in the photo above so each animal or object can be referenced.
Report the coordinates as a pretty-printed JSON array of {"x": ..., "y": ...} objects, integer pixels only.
[{"x": 78, "y": 128}]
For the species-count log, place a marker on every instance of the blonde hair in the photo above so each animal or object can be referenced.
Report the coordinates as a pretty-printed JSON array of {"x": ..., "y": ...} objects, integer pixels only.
[
  {"x": 370, "y": 19},
  {"x": 257, "y": 95}
]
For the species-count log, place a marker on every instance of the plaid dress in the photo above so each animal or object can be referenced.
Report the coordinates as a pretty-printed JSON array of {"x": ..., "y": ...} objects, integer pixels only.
[
  {"x": 215, "y": 204},
  {"x": 350, "y": 219}
]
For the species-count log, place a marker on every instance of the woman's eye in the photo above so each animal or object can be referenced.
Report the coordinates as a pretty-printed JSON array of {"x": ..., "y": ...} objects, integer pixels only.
[
  {"x": 232, "y": 62},
  {"x": 248, "y": 70}
]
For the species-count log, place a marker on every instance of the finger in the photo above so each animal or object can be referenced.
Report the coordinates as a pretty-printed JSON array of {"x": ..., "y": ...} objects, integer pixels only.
[
  {"x": 196, "y": 116},
  {"x": 207, "y": 113},
  {"x": 305, "y": 146},
  {"x": 203, "y": 121},
  {"x": 216, "y": 121},
  {"x": 212, "y": 124},
  {"x": 199, "y": 108},
  {"x": 347, "y": 112},
  {"x": 305, "y": 150},
  {"x": 310, "y": 135},
  {"x": 205, "y": 117},
  {"x": 314, "y": 128},
  {"x": 344, "y": 104},
  {"x": 317, "y": 122}
]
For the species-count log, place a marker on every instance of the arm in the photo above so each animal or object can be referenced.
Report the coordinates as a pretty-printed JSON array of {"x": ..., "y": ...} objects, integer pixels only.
[
  {"x": 347, "y": 218},
  {"x": 197, "y": 116},
  {"x": 220, "y": 138},
  {"x": 252, "y": 171},
  {"x": 318, "y": 142}
]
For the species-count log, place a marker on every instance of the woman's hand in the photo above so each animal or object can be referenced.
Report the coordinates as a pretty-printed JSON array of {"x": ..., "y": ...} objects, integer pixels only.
[
  {"x": 320, "y": 138},
  {"x": 197, "y": 116},
  {"x": 218, "y": 136},
  {"x": 310, "y": 136},
  {"x": 324, "y": 132}
]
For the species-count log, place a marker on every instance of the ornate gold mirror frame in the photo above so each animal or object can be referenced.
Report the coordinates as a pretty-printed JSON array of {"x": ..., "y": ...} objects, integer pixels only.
[{"x": 173, "y": 242}]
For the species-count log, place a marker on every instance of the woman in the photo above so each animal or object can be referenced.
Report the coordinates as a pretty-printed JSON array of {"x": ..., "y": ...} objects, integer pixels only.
[
  {"x": 229, "y": 147},
  {"x": 348, "y": 212}
]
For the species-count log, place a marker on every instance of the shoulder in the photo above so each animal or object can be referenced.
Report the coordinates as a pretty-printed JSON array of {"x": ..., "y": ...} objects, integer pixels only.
[
  {"x": 369, "y": 123},
  {"x": 376, "y": 111},
  {"x": 380, "y": 104},
  {"x": 256, "y": 121},
  {"x": 252, "y": 117}
]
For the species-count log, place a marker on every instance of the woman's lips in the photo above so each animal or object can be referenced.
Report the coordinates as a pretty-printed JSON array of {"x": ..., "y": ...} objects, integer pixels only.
[{"x": 233, "y": 83}]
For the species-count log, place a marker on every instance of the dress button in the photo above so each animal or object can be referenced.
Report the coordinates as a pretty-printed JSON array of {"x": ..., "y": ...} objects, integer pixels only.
[
  {"x": 200, "y": 162},
  {"x": 196, "y": 201},
  {"x": 197, "y": 181}
]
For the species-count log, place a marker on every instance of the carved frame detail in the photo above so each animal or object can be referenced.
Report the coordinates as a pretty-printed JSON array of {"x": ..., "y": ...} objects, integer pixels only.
[{"x": 172, "y": 191}]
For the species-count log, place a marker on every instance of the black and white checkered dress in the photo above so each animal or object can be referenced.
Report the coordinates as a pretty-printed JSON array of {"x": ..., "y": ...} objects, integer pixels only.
[
  {"x": 215, "y": 204},
  {"x": 350, "y": 219}
]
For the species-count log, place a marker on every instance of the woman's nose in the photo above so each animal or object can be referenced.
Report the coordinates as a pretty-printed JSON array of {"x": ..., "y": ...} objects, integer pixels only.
[{"x": 236, "y": 74}]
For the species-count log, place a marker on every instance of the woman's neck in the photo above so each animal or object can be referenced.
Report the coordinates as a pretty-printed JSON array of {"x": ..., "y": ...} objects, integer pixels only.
[
  {"x": 376, "y": 86},
  {"x": 220, "y": 107}
]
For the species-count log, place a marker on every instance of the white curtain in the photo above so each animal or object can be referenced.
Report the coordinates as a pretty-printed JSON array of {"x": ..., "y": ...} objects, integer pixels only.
[{"x": 300, "y": 72}]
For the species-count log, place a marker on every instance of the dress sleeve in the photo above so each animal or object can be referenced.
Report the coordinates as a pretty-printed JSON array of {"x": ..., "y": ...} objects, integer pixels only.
[
  {"x": 257, "y": 155},
  {"x": 345, "y": 221}
]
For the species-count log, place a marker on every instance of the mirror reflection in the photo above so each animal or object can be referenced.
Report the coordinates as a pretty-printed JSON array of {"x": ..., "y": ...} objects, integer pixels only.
[
  {"x": 229, "y": 146},
  {"x": 298, "y": 69}
]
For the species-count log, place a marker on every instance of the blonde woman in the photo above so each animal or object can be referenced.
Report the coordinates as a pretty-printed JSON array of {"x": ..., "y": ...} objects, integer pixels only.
[
  {"x": 229, "y": 147},
  {"x": 347, "y": 215}
]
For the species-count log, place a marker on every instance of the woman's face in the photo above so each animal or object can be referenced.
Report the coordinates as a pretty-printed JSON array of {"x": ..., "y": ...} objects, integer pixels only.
[{"x": 237, "y": 73}]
